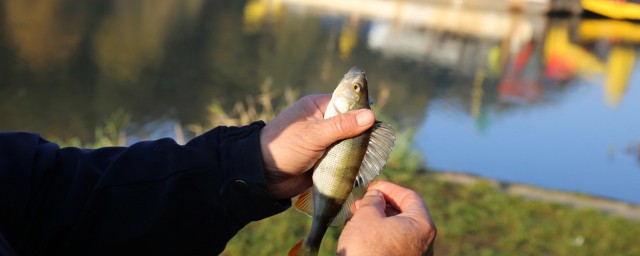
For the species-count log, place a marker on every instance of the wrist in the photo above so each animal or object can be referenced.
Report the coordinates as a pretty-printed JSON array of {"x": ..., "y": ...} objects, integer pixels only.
[{"x": 272, "y": 176}]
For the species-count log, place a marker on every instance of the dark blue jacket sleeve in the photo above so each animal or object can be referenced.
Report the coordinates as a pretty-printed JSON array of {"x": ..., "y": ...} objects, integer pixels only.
[{"x": 152, "y": 198}]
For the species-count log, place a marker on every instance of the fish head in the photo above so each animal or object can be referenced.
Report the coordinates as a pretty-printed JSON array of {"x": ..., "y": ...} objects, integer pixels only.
[{"x": 352, "y": 92}]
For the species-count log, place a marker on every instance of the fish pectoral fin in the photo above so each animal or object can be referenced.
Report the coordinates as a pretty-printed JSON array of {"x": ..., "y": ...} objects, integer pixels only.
[
  {"x": 378, "y": 152},
  {"x": 345, "y": 212},
  {"x": 304, "y": 203}
]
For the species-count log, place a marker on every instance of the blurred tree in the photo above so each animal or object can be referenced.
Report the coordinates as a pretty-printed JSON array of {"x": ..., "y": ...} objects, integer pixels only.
[{"x": 45, "y": 33}]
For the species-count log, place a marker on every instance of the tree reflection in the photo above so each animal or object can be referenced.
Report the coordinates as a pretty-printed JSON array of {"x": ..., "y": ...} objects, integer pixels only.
[
  {"x": 173, "y": 57},
  {"x": 45, "y": 33},
  {"x": 134, "y": 35}
]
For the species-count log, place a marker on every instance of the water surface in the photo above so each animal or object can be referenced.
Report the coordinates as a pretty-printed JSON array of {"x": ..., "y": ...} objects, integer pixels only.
[{"x": 551, "y": 102}]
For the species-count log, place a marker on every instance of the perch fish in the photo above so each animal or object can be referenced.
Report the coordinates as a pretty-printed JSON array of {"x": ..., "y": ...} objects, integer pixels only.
[{"x": 340, "y": 177}]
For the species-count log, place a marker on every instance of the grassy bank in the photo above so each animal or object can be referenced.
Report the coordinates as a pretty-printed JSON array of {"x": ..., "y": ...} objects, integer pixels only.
[
  {"x": 477, "y": 219},
  {"x": 472, "y": 220}
]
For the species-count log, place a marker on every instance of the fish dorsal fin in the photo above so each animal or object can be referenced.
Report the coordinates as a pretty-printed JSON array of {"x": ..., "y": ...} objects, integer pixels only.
[
  {"x": 379, "y": 149},
  {"x": 345, "y": 213},
  {"x": 304, "y": 203},
  {"x": 378, "y": 152}
]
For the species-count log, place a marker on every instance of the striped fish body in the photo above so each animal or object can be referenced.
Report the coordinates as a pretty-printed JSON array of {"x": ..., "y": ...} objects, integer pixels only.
[
  {"x": 345, "y": 164},
  {"x": 333, "y": 180}
]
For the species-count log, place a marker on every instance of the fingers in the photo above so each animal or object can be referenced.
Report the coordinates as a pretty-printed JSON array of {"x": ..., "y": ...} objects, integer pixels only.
[
  {"x": 320, "y": 101},
  {"x": 364, "y": 118},
  {"x": 327, "y": 131},
  {"x": 404, "y": 199},
  {"x": 312, "y": 107},
  {"x": 407, "y": 201},
  {"x": 372, "y": 205},
  {"x": 320, "y": 132},
  {"x": 411, "y": 205},
  {"x": 390, "y": 210}
]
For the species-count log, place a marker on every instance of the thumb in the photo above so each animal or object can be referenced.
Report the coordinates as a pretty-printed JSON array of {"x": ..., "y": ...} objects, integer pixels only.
[
  {"x": 344, "y": 126},
  {"x": 372, "y": 204}
]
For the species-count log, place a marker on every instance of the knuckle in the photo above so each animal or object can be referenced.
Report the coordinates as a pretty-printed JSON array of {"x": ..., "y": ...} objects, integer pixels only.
[
  {"x": 432, "y": 230},
  {"x": 307, "y": 98},
  {"x": 343, "y": 124}
]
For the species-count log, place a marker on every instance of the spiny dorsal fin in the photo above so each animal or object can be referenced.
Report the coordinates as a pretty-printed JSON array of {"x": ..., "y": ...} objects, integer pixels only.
[
  {"x": 305, "y": 202},
  {"x": 378, "y": 152}
]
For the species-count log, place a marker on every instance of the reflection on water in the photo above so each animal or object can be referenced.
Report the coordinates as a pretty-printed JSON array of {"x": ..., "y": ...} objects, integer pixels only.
[
  {"x": 139, "y": 31},
  {"x": 28, "y": 25},
  {"x": 492, "y": 92}
]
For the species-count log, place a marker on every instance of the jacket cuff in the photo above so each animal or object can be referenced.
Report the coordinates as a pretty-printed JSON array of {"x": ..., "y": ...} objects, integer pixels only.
[{"x": 244, "y": 187}]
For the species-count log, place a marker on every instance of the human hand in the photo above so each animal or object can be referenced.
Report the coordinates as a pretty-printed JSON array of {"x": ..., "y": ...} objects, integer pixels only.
[
  {"x": 296, "y": 139},
  {"x": 389, "y": 220}
]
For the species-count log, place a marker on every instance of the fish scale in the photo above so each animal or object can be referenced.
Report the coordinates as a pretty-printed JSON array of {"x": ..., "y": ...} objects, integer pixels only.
[
  {"x": 340, "y": 167},
  {"x": 345, "y": 164}
]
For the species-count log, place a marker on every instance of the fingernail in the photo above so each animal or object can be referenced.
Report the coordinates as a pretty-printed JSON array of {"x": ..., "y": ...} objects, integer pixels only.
[
  {"x": 364, "y": 118},
  {"x": 374, "y": 192}
]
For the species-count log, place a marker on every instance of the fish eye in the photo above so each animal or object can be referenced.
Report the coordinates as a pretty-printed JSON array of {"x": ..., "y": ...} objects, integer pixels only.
[{"x": 356, "y": 87}]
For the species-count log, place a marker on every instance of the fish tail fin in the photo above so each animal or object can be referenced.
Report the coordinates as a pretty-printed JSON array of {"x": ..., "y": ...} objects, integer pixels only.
[{"x": 301, "y": 249}]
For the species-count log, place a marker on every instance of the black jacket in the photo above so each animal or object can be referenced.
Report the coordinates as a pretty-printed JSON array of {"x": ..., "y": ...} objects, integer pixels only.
[{"x": 152, "y": 198}]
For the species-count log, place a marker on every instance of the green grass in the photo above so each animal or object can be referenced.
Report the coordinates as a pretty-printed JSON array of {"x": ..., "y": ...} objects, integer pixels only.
[{"x": 471, "y": 220}]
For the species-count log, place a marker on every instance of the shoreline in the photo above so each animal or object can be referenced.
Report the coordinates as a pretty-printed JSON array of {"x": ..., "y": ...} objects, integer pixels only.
[{"x": 581, "y": 201}]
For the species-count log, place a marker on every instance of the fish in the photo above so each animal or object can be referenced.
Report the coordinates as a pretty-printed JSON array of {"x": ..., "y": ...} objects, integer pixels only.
[{"x": 341, "y": 175}]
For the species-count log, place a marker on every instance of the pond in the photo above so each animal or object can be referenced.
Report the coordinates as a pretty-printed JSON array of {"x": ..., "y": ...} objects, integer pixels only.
[{"x": 551, "y": 102}]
